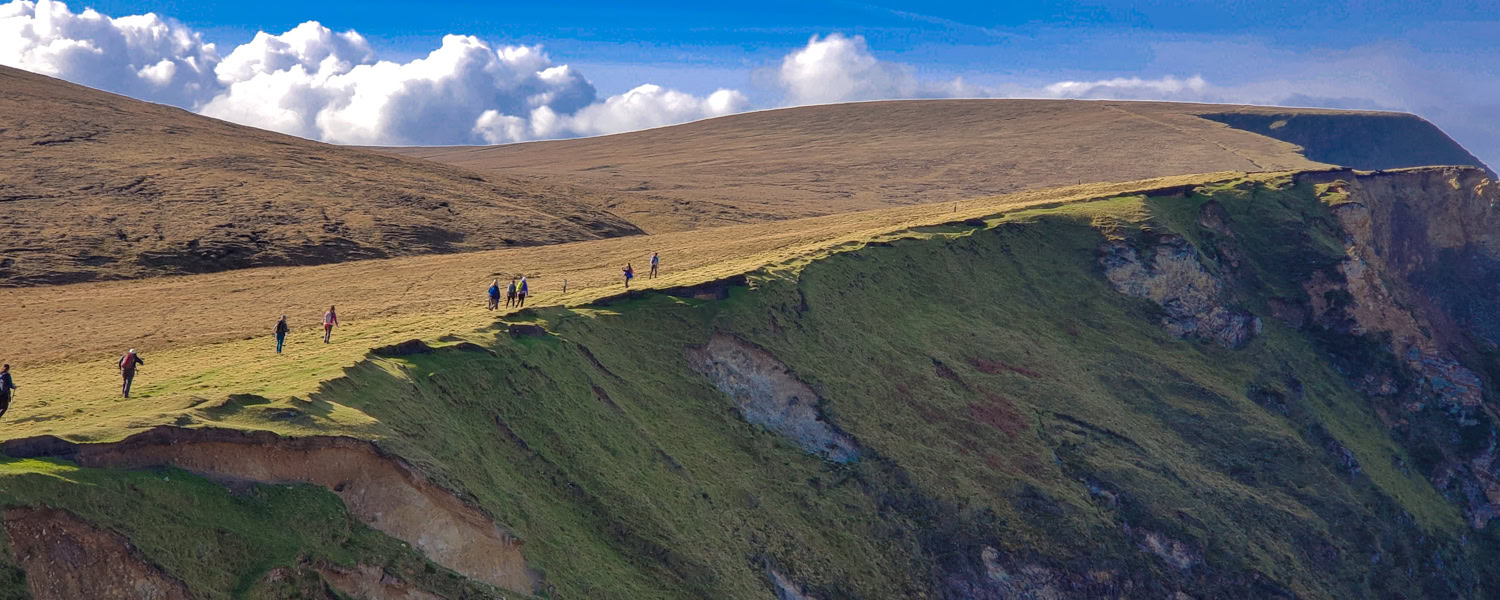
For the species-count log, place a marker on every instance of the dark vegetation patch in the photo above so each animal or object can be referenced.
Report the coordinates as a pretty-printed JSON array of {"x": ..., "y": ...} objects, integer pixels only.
[{"x": 1361, "y": 141}]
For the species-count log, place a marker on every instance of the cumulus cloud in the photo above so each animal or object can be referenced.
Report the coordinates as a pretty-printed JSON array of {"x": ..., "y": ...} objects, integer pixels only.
[
  {"x": 145, "y": 56},
  {"x": 842, "y": 69},
  {"x": 317, "y": 83}
]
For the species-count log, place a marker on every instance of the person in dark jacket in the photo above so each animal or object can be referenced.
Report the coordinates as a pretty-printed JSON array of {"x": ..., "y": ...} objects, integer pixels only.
[
  {"x": 6, "y": 386},
  {"x": 494, "y": 294},
  {"x": 281, "y": 331},
  {"x": 128, "y": 363}
]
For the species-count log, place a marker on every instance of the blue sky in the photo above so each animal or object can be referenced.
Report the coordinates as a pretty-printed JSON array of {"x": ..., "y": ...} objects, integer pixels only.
[{"x": 1438, "y": 59}]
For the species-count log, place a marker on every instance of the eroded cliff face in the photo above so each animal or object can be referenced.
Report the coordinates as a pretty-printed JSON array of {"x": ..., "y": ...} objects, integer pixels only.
[
  {"x": 1422, "y": 276},
  {"x": 66, "y": 558}
]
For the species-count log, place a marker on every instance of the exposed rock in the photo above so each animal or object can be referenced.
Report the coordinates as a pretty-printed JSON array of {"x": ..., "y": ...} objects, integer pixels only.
[
  {"x": 768, "y": 395},
  {"x": 1420, "y": 248},
  {"x": 1177, "y": 554},
  {"x": 1172, "y": 277},
  {"x": 379, "y": 489},
  {"x": 371, "y": 582},
  {"x": 785, "y": 588},
  {"x": 66, "y": 558}
]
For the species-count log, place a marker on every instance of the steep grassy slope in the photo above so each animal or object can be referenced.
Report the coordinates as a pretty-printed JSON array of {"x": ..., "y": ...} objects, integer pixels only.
[
  {"x": 1025, "y": 425},
  {"x": 1361, "y": 141},
  {"x": 99, "y": 186}
]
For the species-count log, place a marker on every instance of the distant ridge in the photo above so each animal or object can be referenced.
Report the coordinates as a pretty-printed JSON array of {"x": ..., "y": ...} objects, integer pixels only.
[
  {"x": 814, "y": 160},
  {"x": 1367, "y": 141}
]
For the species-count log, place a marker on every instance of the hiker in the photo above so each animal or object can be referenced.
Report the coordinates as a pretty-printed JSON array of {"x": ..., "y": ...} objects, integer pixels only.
[
  {"x": 6, "y": 386},
  {"x": 655, "y": 260},
  {"x": 330, "y": 319},
  {"x": 521, "y": 293},
  {"x": 281, "y": 331},
  {"x": 565, "y": 286},
  {"x": 510, "y": 293},
  {"x": 128, "y": 363},
  {"x": 629, "y": 274},
  {"x": 495, "y": 294}
]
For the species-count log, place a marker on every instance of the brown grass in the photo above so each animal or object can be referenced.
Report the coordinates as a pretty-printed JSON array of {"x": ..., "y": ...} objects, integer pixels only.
[
  {"x": 99, "y": 186},
  {"x": 819, "y": 160}
]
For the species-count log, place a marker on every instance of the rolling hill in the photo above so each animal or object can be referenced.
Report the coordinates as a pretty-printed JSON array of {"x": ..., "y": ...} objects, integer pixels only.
[
  {"x": 816, "y": 160},
  {"x": 99, "y": 186}
]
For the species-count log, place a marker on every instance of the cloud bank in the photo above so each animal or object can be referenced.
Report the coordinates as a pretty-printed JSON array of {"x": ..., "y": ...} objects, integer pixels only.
[{"x": 316, "y": 83}]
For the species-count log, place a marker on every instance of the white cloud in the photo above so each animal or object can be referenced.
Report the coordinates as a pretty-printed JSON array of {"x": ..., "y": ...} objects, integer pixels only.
[
  {"x": 1123, "y": 88},
  {"x": 653, "y": 106},
  {"x": 836, "y": 68},
  {"x": 145, "y": 56},
  {"x": 317, "y": 83}
]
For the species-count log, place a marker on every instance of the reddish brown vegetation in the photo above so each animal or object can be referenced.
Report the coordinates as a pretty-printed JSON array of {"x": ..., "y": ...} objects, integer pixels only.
[
  {"x": 995, "y": 367},
  {"x": 1000, "y": 413}
]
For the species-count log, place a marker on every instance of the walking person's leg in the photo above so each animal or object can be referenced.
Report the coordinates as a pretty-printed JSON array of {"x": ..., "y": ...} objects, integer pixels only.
[
  {"x": 125, "y": 388},
  {"x": 4, "y": 402},
  {"x": 280, "y": 339},
  {"x": 327, "y": 333}
]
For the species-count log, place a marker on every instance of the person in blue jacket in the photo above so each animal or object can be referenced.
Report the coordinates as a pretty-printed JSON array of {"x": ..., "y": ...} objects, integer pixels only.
[
  {"x": 495, "y": 294},
  {"x": 6, "y": 386},
  {"x": 521, "y": 293}
]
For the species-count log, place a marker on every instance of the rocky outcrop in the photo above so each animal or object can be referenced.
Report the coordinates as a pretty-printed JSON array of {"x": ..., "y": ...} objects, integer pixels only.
[
  {"x": 767, "y": 394},
  {"x": 381, "y": 490},
  {"x": 1422, "y": 261},
  {"x": 785, "y": 588},
  {"x": 371, "y": 582},
  {"x": 1193, "y": 299},
  {"x": 67, "y": 558}
]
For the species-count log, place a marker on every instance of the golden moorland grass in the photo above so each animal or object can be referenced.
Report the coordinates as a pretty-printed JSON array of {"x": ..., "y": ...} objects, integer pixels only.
[
  {"x": 818, "y": 160},
  {"x": 206, "y": 338},
  {"x": 99, "y": 186}
]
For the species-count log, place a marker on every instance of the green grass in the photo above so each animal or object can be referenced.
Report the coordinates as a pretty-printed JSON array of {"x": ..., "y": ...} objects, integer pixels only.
[
  {"x": 1005, "y": 396},
  {"x": 1098, "y": 395}
]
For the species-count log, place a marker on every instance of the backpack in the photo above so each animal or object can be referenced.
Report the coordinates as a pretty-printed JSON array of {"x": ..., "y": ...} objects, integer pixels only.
[{"x": 127, "y": 362}]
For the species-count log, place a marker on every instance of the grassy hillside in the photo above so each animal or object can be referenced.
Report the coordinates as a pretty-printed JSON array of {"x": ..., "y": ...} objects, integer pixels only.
[
  {"x": 1024, "y": 429},
  {"x": 99, "y": 186}
]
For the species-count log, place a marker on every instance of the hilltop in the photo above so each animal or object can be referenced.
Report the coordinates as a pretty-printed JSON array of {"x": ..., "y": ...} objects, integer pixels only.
[
  {"x": 816, "y": 160},
  {"x": 100, "y": 186}
]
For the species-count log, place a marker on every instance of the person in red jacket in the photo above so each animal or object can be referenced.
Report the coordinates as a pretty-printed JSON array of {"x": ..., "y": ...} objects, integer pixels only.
[{"x": 128, "y": 363}]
